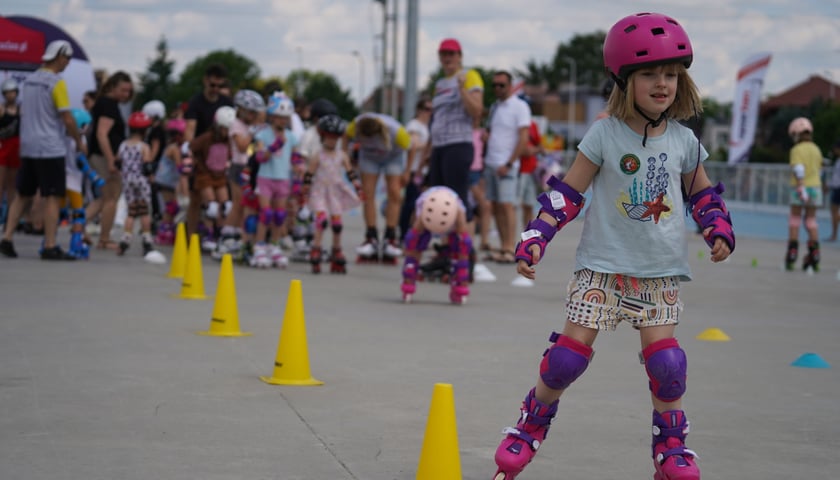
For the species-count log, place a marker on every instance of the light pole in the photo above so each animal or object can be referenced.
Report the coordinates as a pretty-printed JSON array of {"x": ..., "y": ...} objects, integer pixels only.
[
  {"x": 299, "y": 79},
  {"x": 358, "y": 55},
  {"x": 572, "y": 99}
]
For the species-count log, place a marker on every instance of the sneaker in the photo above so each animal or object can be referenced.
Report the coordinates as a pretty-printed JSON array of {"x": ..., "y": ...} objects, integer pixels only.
[
  {"x": 7, "y": 248},
  {"x": 55, "y": 253}
]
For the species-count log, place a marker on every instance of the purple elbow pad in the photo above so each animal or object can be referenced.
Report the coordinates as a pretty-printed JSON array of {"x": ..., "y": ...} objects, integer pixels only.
[
  {"x": 562, "y": 202},
  {"x": 709, "y": 210}
]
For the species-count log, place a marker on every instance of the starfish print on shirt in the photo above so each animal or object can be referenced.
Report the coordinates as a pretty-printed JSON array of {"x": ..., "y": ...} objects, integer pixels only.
[{"x": 655, "y": 208}]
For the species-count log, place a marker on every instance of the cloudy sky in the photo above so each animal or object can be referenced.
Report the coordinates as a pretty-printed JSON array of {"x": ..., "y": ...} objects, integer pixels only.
[{"x": 281, "y": 35}]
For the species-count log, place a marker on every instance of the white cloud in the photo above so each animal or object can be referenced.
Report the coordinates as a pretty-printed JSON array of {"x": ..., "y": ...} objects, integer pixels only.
[{"x": 278, "y": 35}]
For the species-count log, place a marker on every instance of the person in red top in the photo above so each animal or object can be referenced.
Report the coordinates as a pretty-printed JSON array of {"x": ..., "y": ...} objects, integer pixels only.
[{"x": 526, "y": 188}]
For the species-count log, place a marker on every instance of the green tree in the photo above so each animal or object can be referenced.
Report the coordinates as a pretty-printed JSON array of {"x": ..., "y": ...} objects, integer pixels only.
[
  {"x": 156, "y": 82},
  {"x": 242, "y": 73},
  {"x": 322, "y": 85},
  {"x": 587, "y": 52}
]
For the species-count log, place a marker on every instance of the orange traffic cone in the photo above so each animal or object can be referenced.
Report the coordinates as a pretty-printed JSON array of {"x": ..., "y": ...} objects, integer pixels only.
[
  {"x": 192, "y": 286},
  {"x": 225, "y": 319},
  {"x": 440, "y": 458},
  {"x": 291, "y": 366},
  {"x": 179, "y": 253}
]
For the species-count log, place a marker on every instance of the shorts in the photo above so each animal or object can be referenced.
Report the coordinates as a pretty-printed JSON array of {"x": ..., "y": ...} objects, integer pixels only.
[
  {"x": 46, "y": 175},
  {"x": 835, "y": 196},
  {"x": 74, "y": 200},
  {"x": 500, "y": 189},
  {"x": 100, "y": 165},
  {"x": 526, "y": 188},
  {"x": 273, "y": 188},
  {"x": 137, "y": 191},
  {"x": 815, "y": 197},
  {"x": 10, "y": 152},
  {"x": 601, "y": 300},
  {"x": 205, "y": 180},
  {"x": 390, "y": 167},
  {"x": 235, "y": 173},
  {"x": 474, "y": 178}
]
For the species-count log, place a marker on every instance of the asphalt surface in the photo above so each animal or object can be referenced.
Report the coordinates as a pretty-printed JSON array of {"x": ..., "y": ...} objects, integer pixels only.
[{"x": 103, "y": 377}]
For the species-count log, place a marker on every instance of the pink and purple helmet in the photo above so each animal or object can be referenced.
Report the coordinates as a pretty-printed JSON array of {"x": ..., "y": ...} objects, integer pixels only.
[
  {"x": 438, "y": 209},
  {"x": 644, "y": 40}
]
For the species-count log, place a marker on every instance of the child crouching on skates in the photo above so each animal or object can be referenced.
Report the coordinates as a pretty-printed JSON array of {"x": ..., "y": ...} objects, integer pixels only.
[
  {"x": 329, "y": 194},
  {"x": 439, "y": 211},
  {"x": 633, "y": 254}
]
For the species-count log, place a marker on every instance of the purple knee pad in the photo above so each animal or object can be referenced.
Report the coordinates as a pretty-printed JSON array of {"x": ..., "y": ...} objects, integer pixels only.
[
  {"x": 280, "y": 216},
  {"x": 416, "y": 241},
  {"x": 172, "y": 208},
  {"x": 266, "y": 216},
  {"x": 666, "y": 366},
  {"x": 564, "y": 361}
]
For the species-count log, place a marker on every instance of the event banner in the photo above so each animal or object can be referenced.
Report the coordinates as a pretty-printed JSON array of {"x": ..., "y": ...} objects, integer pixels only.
[{"x": 745, "y": 106}]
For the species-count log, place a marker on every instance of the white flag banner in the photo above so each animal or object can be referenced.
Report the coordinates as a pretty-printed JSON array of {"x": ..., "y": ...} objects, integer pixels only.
[{"x": 745, "y": 106}]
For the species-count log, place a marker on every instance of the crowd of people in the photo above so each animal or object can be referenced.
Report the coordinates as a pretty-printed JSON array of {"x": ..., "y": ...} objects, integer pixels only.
[{"x": 262, "y": 177}]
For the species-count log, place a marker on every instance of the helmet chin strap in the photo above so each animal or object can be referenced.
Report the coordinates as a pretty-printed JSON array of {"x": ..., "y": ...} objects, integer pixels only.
[{"x": 650, "y": 122}]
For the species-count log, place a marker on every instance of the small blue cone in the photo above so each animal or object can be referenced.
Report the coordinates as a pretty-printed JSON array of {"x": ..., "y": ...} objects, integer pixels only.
[{"x": 810, "y": 360}]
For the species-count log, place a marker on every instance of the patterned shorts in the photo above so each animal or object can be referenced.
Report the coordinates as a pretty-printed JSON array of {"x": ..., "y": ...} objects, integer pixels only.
[{"x": 602, "y": 300}]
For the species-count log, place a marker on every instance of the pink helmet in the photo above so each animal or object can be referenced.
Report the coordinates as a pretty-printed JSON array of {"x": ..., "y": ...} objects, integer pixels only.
[
  {"x": 799, "y": 125},
  {"x": 438, "y": 209},
  {"x": 644, "y": 40},
  {"x": 176, "y": 125}
]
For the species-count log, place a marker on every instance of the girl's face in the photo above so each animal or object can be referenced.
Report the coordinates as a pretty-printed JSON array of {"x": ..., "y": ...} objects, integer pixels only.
[
  {"x": 329, "y": 141},
  {"x": 10, "y": 97},
  {"x": 654, "y": 89},
  {"x": 278, "y": 122}
]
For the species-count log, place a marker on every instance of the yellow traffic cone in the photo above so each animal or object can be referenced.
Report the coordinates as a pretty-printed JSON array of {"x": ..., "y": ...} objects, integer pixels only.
[
  {"x": 713, "y": 335},
  {"x": 192, "y": 286},
  {"x": 225, "y": 319},
  {"x": 440, "y": 458},
  {"x": 179, "y": 253},
  {"x": 291, "y": 366}
]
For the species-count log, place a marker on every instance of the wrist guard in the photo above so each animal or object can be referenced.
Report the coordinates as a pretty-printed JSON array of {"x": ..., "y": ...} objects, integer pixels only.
[
  {"x": 709, "y": 211},
  {"x": 562, "y": 202},
  {"x": 297, "y": 158},
  {"x": 353, "y": 176},
  {"x": 277, "y": 145},
  {"x": 539, "y": 233}
]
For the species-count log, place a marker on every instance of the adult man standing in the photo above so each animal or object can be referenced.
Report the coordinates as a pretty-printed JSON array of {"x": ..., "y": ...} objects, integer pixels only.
[
  {"x": 46, "y": 122},
  {"x": 510, "y": 118},
  {"x": 199, "y": 117}
]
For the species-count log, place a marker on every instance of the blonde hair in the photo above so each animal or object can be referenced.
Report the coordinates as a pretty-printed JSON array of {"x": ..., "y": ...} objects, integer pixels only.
[
  {"x": 370, "y": 127},
  {"x": 687, "y": 103}
]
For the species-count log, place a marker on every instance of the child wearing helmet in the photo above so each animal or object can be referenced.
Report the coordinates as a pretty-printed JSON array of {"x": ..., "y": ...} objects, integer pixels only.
[
  {"x": 329, "y": 194},
  {"x": 9, "y": 142},
  {"x": 135, "y": 159},
  {"x": 167, "y": 177},
  {"x": 211, "y": 160},
  {"x": 76, "y": 168},
  {"x": 805, "y": 194},
  {"x": 276, "y": 154},
  {"x": 632, "y": 255},
  {"x": 249, "y": 106},
  {"x": 438, "y": 211}
]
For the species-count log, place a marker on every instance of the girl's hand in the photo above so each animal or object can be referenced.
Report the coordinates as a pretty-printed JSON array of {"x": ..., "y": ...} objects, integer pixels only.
[
  {"x": 720, "y": 250},
  {"x": 526, "y": 270}
]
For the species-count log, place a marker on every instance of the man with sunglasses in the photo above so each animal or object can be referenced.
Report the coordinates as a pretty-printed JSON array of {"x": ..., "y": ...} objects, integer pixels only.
[
  {"x": 199, "y": 116},
  {"x": 510, "y": 118}
]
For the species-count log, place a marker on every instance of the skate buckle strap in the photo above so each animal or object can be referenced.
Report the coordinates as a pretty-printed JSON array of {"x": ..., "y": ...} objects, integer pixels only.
[
  {"x": 678, "y": 431},
  {"x": 681, "y": 451},
  {"x": 524, "y": 436}
]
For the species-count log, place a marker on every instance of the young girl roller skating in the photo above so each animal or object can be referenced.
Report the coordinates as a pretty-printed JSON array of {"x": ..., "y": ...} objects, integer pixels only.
[
  {"x": 805, "y": 194},
  {"x": 136, "y": 159},
  {"x": 329, "y": 194},
  {"x": 439, "y": 211},
  {"x": 632, "y": 255},
  {"x": 167, "y": 178}
]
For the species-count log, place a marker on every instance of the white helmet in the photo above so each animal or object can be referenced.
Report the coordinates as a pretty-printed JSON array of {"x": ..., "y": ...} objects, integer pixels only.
[
  {"x": 280, "y": 105},
  {"x": 154, "y": 109},
  {"x": 249, "y": 100},
  {"x": 799, "y": 126},
  {"x": 438, "y": 209},
  {"x": 225, "y": 116},
  {"x": 9, "y": 85}
]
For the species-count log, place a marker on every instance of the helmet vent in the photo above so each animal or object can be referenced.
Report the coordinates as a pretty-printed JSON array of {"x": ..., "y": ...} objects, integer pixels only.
[
  {"x": 642, "y": 53},
  {"x": 657, "y": 31},
  {"x": 629, "y": 28}
]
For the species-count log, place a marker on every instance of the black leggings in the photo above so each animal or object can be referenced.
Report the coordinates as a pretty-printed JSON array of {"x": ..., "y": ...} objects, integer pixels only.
[{"x": 449, "y": 166}]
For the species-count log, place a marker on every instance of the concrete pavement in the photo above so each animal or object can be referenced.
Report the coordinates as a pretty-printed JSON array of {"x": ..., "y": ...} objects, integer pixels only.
[{"x": 103, "y": 377}]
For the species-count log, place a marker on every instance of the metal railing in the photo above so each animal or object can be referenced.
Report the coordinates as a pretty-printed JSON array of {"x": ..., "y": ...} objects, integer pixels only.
[{"x": 761, "y": 186}]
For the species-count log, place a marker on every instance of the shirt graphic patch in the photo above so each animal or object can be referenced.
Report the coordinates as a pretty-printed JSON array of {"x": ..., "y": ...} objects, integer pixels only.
[{"x": 646, "y": 200}]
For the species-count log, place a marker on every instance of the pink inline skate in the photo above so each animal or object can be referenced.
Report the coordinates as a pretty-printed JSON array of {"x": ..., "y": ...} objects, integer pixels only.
[
  {"x": 522, "y": 442},
  {"x": 409, "y": 284},
  {"x": 670, "y": 457}
]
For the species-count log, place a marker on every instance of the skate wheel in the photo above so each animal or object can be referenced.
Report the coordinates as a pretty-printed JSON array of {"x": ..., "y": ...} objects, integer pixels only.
[{"x": 500, "y": 476}]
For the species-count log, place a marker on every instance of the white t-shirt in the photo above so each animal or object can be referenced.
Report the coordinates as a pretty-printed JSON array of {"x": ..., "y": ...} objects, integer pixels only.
[
  {"x": 240, "y": 129},
  {"x": 507, "y": 118},
  {"x": 635, "y": 222},
  {"x": 310, "y": 143},
  {"x": 419, "y": 132}
]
